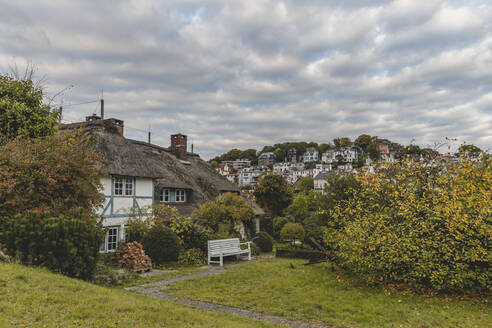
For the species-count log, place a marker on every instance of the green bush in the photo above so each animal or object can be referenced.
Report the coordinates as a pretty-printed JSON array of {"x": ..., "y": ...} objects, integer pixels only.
[
  {"x": 136, "y": 229},
  {"x": 192, "y": 256},
  {"x": 264, "y": 241},
  {"x": 161, "y": 244},
  {"x": 299, "y": 253},
  {"x": 255, "y": 249},
  {"x": 69, "y": 245},
  {"x": 420, "y": 225},
  {"x": 107, "y": 276},
  {"x": 191, "y": 234},
  {"x": 278, "y": 224},
  {"x": 293, "y": 231}
]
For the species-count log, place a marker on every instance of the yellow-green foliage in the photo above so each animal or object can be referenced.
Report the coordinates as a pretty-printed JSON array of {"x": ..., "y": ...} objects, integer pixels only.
[{"x": 420, "y": 224}]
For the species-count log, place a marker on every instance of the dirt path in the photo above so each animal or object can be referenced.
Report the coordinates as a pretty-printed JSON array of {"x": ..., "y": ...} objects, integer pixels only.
[{"x": 157, "y": 290}]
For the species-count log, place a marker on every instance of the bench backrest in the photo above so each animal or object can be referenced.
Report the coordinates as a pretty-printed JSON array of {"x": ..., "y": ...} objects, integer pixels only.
[{"x": 223, "y": 245}]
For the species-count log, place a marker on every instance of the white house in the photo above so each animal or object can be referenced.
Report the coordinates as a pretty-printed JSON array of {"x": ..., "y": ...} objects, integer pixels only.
[
  {"x": 140, "y": 174},
  {"x": 311, "y": 155},
  {"x": 346, "y": 154},
  {"x": 122, "y": 193}
]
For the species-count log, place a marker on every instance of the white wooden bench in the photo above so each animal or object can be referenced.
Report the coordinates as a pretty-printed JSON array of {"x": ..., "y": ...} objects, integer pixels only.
[{"x": 225, "y": 247}]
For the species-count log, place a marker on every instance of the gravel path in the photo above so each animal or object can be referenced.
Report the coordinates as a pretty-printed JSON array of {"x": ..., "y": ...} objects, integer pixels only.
[{"x": 156, "y": 289}]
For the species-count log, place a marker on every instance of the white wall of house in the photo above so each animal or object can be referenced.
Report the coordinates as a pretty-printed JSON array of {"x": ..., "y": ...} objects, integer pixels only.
[{"x": 118, "y": 205}]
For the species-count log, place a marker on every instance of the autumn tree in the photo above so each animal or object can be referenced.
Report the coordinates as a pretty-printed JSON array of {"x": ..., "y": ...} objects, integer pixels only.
[
  {"x": 229, "y": 209},
  {"x": 273, "y": 193}
]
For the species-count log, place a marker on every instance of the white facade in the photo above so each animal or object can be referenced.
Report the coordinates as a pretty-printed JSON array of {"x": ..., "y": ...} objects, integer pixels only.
[
  {"x": 281, "y": 168},
  {"x": 122, "y": 194},
  {"x": 249, "y": 176},
  {"x": 346, "y": 154},
  {"x": 311, "y": 155}
]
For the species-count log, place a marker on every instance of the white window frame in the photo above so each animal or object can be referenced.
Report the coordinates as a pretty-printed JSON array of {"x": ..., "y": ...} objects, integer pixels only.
[
  {"x": 180, "y": 195},
  {"x": 118, "y": 186},
  {"x": 129, "y": 186},
  {"x": 112, "y": 239},
  {"x": 165, "y": 196}
]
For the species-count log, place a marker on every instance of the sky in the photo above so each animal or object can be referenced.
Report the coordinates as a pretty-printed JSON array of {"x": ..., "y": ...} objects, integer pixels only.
[{"x": 244, "y": 74}]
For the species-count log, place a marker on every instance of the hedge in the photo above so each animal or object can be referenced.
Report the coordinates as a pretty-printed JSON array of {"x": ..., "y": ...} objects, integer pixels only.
[{"x": 300, "y": 253}]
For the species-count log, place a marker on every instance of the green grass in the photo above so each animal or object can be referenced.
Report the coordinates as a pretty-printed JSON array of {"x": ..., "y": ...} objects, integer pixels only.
[
  {"x": 180, "y": 271},
  {"x": 315, "y": 293},
  {"x": 33, "y": 297}
]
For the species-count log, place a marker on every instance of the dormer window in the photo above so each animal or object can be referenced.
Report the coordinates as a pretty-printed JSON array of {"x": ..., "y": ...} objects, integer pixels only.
[
  {"x": 172, "y": 195},
  {"x": 180, "y": 196},
  {"x": 165, "y": 196}
]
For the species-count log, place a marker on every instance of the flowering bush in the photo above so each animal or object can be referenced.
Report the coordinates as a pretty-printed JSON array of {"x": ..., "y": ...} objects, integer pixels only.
[{"x": 424, "y": 225}]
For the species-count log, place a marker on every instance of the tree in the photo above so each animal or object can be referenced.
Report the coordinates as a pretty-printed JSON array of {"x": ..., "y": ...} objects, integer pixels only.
[
  {"x": 420, "y": 225},
  {"x": 464, "y": 149},
  {"x": 293, "y": 231},
  {"x": 305, "y": 184},
  {"x": 273, "y": 193},
  {"x": 229, "y": 208},
  {"x": 342, "y": 142},
  {"x": 22, "y": 112},
  {"x": 363, "y": 141},
  {"x": 53, "y": 174}
]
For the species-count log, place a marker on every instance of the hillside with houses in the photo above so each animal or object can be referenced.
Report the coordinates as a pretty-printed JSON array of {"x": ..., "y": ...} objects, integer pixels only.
[{"x": 296, "y": 160}]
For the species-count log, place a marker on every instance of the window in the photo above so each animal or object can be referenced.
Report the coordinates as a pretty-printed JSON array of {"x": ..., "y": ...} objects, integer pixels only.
[
  {"x": 123, "y": 183},
  {"x": 112, "y": 239},
  {"x": 129, "y": 186},
  {"x": 118, "y": 185},
  {"x": 180, "y": 196},
  {"x": 165, "y": 195}
]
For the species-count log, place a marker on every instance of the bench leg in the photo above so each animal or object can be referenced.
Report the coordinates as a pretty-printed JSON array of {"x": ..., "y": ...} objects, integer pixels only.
[
  {"x": 221, "y": 260},
  {"x": 209, "y": 258}
]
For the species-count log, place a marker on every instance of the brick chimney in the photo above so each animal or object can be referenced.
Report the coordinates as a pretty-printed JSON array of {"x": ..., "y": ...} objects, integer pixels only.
[{"x": 179, "y": 145}]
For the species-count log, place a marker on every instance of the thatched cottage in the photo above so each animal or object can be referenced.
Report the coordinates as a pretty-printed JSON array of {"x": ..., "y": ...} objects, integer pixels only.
[{"x": 142, "y": 174}]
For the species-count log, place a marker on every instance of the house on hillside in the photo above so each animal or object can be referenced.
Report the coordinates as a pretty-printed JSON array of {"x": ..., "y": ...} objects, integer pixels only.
[
  {"x": 311, "y": 155},
  {"x": 320, "y": 181},
  {"x": 140, "y": 174},
  {"x": 266, "y": 159},
  {"x": 291, "y": 155}
]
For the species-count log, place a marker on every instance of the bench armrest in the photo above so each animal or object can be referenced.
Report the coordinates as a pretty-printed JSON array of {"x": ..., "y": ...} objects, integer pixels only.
[{"x": 246, "y": 242}]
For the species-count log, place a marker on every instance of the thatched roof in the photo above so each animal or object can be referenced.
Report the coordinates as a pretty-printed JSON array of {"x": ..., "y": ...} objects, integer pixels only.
[{"x": 123, "y": 156}]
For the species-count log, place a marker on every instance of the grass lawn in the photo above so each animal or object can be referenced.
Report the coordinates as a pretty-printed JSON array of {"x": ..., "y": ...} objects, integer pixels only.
[
  {"x": 314, "y": 293},
  {"x": 32, "y": 297},
  {"x": 180, "y": 271}
]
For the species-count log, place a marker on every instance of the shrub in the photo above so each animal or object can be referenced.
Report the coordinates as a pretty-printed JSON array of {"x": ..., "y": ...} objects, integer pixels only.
[
  {"x": 264, "y": 241},
  {"x": 278, "y": 224},
  {"x": 299, "y": 253},
  {"x": 69, "y": 245},
  {"x": 136, "y": 229},
  {"x": 255, "y": 249},
  {"x": 293, "y": 231},
  {"x": 420, "y": 225},
  {"x": 192, "y": 256},
  {"x": 106, "y": 276},
  {"x": 191, "y": 234},
  {"x": 161, "y": 244}
]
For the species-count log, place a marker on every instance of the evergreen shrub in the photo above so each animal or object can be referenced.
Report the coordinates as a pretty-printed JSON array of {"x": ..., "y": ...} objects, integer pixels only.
[
  {"x": 264, "y": 241},
  {"x": 69, "y": 245},
  {"x": 161, "y": 244}
]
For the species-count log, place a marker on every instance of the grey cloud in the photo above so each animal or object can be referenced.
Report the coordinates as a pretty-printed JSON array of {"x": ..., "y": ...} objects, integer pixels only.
[{"x": 246, "y": 74}]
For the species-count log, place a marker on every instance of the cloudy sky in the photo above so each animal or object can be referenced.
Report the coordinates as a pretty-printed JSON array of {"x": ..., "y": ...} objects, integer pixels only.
[{"x": 244, "y": 74}]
